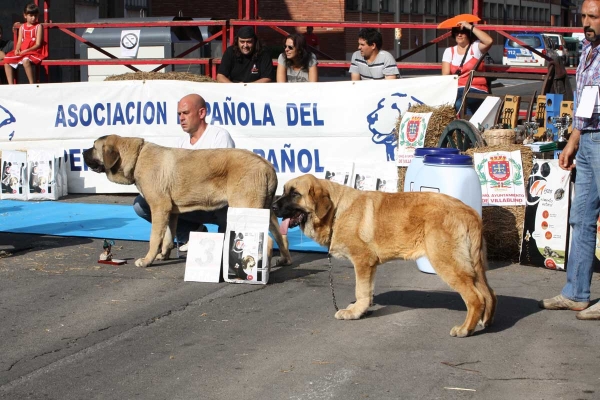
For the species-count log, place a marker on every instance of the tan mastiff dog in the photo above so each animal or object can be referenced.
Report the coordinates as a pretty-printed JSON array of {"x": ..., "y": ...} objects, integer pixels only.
[
  {"x": 370, "y": 228},
  {"x": 175, "y": 181}
]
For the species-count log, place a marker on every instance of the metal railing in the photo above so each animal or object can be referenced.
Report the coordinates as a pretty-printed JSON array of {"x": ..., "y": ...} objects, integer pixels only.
[{"x": 226, "y": 32}]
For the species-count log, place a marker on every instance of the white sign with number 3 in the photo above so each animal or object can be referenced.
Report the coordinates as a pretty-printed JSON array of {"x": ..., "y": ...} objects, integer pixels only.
[{"x": 203, "y": 263}]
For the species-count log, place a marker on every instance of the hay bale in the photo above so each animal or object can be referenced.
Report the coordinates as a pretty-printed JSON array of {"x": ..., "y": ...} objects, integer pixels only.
[
  {"x": 148, "y": 76},
  {"x": 503, "y": 225},
  {"x": 441, "y": 117}
]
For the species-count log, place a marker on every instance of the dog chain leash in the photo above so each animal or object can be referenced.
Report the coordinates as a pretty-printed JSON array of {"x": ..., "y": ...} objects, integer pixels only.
[{"x": 331, "y": 282}]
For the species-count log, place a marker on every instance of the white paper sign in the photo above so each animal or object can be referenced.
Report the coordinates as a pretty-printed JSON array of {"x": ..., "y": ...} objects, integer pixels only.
[
  {"x": 382, "y": 177},
  {"x": 501, "y": 177},
  {"x": 338, "y": 171},
  {"x": 588, "y": 104},
  {"x": 203, "y": 262},
  {"x": 130, "y": 43},
  {"x": 411, "y": 136},
  {"x": 486, "y": 113}
]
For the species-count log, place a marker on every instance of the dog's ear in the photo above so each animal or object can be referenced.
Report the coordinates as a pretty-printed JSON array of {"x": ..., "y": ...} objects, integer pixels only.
[
  {"x": 321, "y": 200},
  {"x": 110, "y": 156}
]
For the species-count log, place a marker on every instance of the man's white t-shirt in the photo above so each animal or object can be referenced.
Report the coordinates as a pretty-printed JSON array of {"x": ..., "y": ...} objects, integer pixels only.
[{"x": 214, "y": 137}]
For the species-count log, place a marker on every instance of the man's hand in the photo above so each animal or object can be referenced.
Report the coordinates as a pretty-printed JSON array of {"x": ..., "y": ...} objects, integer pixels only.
[{"x": 566, "y": 157}]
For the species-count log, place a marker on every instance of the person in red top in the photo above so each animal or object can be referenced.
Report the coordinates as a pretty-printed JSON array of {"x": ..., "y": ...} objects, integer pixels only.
[
  {"x": 28, "y": 48},
  {"x": 471, "y": 44},
  {"x": 311, "y": 39}
]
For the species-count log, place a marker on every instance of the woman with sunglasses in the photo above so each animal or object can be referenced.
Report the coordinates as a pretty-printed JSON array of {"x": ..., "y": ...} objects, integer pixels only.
[
  {"x": 296, "y": 63},
  {"x": 471, "y": 44}
]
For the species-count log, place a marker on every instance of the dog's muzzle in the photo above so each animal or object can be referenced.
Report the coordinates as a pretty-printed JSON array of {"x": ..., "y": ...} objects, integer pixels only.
[
  {"x": 284, "y": 208},
  {"x": 298, "y": 218},
  {"x": 91, "y": 162}
]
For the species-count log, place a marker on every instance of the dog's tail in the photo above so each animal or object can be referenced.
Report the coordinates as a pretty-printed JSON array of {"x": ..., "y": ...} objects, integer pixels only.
[{"x": 479, "y": 259}]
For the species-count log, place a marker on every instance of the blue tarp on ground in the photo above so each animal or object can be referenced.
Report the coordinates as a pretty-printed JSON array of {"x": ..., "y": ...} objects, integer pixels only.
[{"x": 100, "y": 221}]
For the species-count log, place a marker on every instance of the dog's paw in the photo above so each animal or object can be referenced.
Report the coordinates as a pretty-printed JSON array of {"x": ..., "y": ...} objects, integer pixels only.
[
  {"x": 283, "y": 262},
  {"x": 346, "y": 314},
  {"x": 141, "y": 262},
  {"x": 459, "y": 331},
  {"x": 165, "y": 256}
]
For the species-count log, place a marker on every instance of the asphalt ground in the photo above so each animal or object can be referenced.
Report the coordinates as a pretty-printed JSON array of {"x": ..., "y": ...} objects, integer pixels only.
[{"x": 75, "y": 329}]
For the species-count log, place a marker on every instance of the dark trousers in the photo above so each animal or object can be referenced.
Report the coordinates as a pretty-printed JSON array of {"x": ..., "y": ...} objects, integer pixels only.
[{"x": 187, "y": 222}]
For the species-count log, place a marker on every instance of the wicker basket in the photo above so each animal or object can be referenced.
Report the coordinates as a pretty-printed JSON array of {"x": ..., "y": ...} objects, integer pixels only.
[{"x": 495, "y": 137}]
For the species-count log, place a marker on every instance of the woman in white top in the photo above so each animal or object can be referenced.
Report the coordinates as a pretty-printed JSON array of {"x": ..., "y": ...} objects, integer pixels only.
[
  {"x": 296, "y": 63},
  {"x": 474, "y": 43}
]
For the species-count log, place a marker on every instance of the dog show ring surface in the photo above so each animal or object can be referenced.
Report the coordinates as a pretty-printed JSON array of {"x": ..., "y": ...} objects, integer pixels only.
[
  {"x": 451, "y": 174},
  {"x": 100, "y": 221}
]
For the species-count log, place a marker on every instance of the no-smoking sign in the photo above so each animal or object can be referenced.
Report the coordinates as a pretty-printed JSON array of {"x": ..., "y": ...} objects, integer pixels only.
[{"x": 130, "y": 41}]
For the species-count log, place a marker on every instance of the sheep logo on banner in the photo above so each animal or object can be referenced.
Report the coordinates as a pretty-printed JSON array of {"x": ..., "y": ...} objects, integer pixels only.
[
  {"x": 6, "y": 118},
  {"x": 382, "y": 121}
]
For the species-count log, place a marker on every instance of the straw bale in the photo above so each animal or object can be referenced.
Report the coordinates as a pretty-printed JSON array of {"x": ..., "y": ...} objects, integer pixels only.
[
  {"x": 503, "y": 225},
  {"x": 148, "y": 76},
  {"x": 441, "y": 117}
]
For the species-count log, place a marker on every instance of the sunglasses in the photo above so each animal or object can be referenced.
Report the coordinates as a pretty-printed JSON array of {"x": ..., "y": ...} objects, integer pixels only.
[
  {"x": 456, "y": 31},
  {"x": 289, "y": 47}
]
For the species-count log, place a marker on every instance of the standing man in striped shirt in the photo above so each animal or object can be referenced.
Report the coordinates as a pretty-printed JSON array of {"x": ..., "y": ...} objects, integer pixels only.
[
  {"x": 370, "y": 62},
  {"x": 583, "y": 147}
]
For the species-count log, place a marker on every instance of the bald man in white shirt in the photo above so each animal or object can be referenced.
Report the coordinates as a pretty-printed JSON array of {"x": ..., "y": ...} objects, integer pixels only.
[{"x": 191, "y": 110}]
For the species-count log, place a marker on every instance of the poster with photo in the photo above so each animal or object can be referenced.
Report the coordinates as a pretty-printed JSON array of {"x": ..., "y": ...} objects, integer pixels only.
[
  {"x": 14, "y": 178},
  {"x": 245, "y": 252},
  {"x": 381, "y": 177},
  {"x": 546, "y": 224},
  {"x": 42, "y": 171},
  {"x": 338, "y": 171}
]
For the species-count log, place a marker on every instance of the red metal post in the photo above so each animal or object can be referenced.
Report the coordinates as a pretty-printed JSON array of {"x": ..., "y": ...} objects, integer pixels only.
[{"x": 478, "y": 8}]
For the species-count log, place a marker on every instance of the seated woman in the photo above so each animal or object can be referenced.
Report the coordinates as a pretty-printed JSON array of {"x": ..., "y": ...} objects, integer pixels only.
[
  {"x": 296, "y": 63},
  {"x": 471, "y": 44}
]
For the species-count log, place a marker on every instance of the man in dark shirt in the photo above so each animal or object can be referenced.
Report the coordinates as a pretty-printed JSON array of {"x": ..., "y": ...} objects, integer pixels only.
[
  {"x": 6, "y": 45},
  {"x": 245, "y": 60}
]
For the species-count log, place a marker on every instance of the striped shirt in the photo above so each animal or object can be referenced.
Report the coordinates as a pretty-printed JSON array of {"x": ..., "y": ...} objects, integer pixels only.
[
  {"x": 384, "y": 65},
  {"x": 588, "y": 74}
]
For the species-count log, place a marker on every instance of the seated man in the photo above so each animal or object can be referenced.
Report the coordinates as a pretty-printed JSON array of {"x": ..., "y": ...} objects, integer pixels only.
[
  {"x": 245, "y": 60},
  {"x": 6, "y": 45},
  {"x": 369, "y": 61},
  {"x": 192, "y": 117}
]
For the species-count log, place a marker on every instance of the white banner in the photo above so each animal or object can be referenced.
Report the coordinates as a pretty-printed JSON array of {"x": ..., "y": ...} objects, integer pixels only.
[
  {"x": 501, "y": 176},
  {"x": 296, "y": 127}
]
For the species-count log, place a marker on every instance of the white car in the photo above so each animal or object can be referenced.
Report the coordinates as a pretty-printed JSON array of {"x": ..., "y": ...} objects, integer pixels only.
[{"x": 517, "y": 55}]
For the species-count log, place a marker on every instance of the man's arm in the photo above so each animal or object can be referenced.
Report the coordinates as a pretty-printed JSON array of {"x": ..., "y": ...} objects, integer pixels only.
[
  {"x": 224, "y": 71},
  {"x": 390, "y": 69},
  {"x": 354, "y": 74},
  {"x": 222, "y": 79},
  {"x": 266, "y": 70}
]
